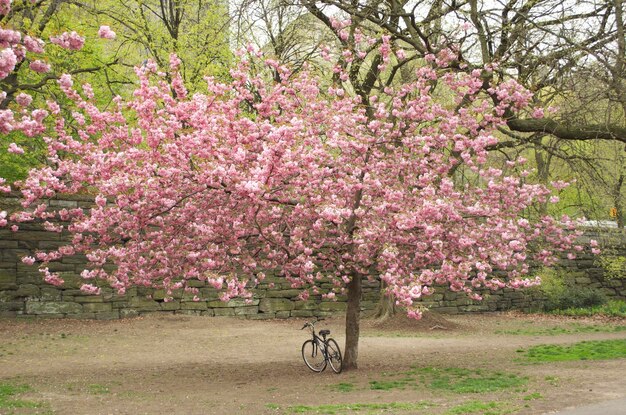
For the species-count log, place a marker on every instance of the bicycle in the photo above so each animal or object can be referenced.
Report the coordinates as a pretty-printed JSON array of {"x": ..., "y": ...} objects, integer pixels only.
[{"x": 318, "y": 352}]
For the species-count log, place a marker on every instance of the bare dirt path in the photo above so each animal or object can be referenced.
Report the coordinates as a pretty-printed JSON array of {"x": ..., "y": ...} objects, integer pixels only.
[{"x": 198, "y": 365}]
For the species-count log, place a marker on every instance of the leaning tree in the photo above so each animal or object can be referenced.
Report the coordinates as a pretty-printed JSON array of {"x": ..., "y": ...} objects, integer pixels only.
[{"x": 289, "y": 176}]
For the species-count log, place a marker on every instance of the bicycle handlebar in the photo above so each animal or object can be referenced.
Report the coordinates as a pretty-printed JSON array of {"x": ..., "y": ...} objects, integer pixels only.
[{"x": 311, "y": 323}]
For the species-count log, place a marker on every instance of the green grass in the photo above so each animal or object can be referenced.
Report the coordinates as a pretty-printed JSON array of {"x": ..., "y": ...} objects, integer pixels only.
[
  {"x": 96, "y": 389},
  {"x": 480, "y": 408},
  {"x": 390, "y": 384},
  {"x": 455, "y": 380},
  {"x": 460, "y": 380},
  {"x": 392, "y": 407},
  {"x": 342, "y": 387},
  {"x": 610, "y": 309},
  {"x": 8, "y": 400},
  {"x": 586, "y": 350},
  {"x": 533, "y": 396},
  {"x": 557, "y": 330}
]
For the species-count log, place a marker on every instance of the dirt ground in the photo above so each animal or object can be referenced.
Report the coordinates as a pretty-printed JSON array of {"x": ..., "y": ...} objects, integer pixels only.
[{"x": 201, "y": 365}]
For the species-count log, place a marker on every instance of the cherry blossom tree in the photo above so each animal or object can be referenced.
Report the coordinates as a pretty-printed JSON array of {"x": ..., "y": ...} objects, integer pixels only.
[{"x": 292, "y": 177}]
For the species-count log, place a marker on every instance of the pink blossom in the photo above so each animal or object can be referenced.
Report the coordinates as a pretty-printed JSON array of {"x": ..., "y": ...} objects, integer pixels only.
[
  {"x": 33, "y": 45},
  {"x": 105, "y": 32},
  {"x": 70, "y": 41},
  {"x": 538, "y": 113},
  {"x": 8, "y": 60},
  {"x": 5, "y": 7},
  {"x": 65, "y": 81},
  {"x": 90, "y": 289},
  {"x": 28, "y": 260},
  {"x": 15, "y": 149},
  {"x": 9, "y": 38},
  {"x": 23, "y": 99},
  {"x": 39, "y": 66}
]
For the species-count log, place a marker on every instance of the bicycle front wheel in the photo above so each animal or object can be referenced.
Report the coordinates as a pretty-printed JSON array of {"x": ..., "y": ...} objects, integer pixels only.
[
  {"x": 334, "y": 355},
  {"x": 313, "y": 356}
]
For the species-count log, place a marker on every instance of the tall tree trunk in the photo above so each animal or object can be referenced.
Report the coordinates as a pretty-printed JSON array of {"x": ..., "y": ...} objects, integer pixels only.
[{"x": 353, "y": 316}]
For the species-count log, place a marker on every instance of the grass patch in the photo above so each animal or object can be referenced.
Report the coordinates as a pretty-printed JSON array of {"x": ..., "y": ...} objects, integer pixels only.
[
  {"x": 385, "y": 385},
  {"x": 586, "y": 350},
  {"x": 533, "y": 396},
  {"x": 610, "y": 309},
  {"x": 97, "y": 389},
  {"x": 556, "y": 330},
  {"x": 480, "y": 408},
  {"x": 553, "y": 380},
  {"x": 460, "y": 380},
  {"x": 8, "y": 398},
  {"x": 393, "y": 407},
  {"x": 342, "y": 387},
  {"x": 455, "y": 380}
]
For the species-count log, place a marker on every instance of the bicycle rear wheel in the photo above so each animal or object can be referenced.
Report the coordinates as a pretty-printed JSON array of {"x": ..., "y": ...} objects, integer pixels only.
[
  {"x": 313, "y": 356},
  {"x": 334, "y": 355}
]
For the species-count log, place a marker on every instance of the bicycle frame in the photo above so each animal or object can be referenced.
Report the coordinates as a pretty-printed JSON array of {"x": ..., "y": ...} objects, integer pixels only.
[
  {"x": 328, "y": 347},
  {"x": 320, "y": 342}
]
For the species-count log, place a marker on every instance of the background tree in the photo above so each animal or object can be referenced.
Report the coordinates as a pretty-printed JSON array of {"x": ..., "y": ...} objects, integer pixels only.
[
  {"x": 197, "y": 31},
  {"x": 284, "y": 31}
]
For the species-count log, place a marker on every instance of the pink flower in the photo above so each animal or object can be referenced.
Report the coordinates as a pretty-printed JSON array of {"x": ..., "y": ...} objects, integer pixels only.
[
  {"x": 39, "y": 66},
  {"x": 23, "y": 99},
  {"x": 5, "y": 7},
  {"x": 90, "y": 289},
  {"x": 15, "y": 149},
  {"x": 6, "y": 121},
  {"x": 9, "y": 38},
  {"x": 33, "y": 45},
  {"x": 105, "y": 32},
  {"x": 538, "y": 113},
  {"x": 28, "y": 260},
  {"x": 69, "y": 41},
  {"x": 8, "y": 60},
  {"x": 101, "y": 201},
  {"x": 65, "y": 81}
]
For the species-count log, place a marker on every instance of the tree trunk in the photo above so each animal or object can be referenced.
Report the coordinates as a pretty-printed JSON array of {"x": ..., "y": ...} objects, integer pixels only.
[
  {"x": 386, "y": 307},
  {"x": 353, "y": 316}
]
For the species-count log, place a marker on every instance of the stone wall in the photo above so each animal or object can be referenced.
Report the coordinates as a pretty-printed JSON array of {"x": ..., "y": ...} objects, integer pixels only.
[{"x": 23, "y": 293}]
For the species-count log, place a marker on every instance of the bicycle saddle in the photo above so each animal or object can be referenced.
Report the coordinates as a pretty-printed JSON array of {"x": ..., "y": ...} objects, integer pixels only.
[{"x": 324, "y": 332}]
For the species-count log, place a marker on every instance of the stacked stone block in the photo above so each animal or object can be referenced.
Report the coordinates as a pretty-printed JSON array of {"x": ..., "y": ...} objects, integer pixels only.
[{"x": 23, "y": 292}]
